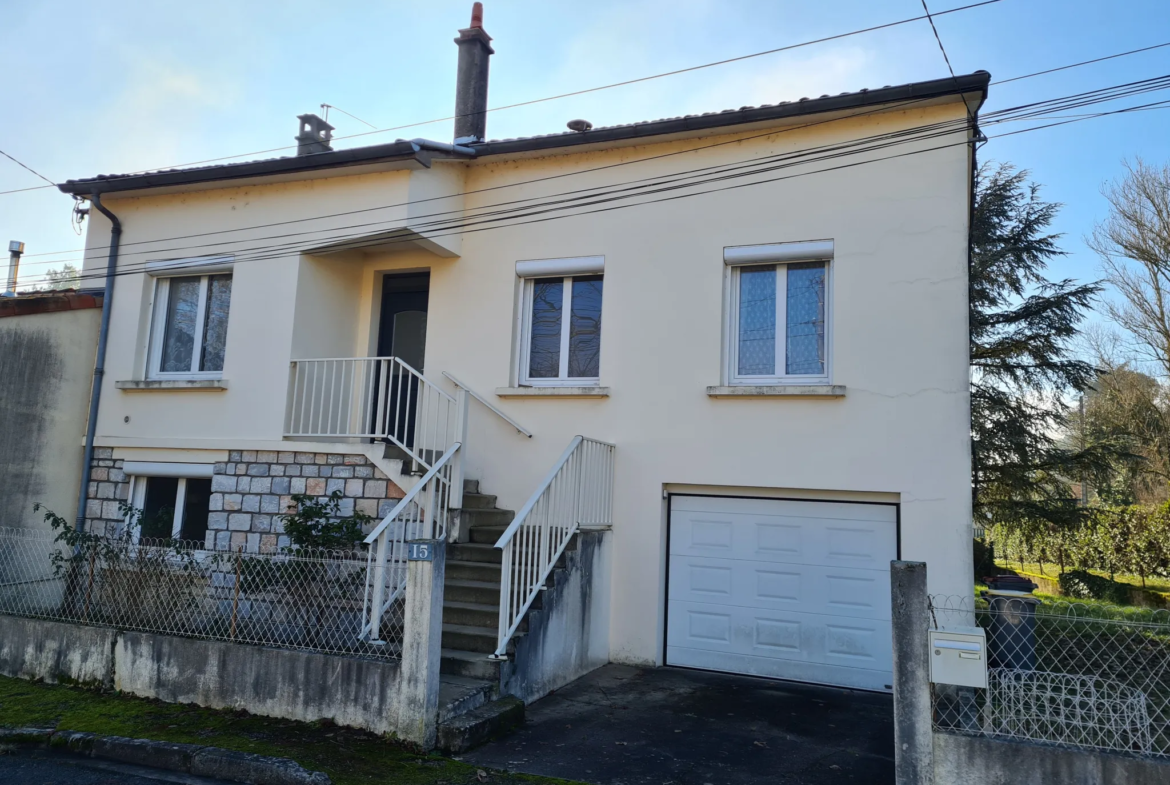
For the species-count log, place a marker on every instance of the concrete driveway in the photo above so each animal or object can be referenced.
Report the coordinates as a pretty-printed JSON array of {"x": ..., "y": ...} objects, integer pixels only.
[{"x": 668, "y": 726}]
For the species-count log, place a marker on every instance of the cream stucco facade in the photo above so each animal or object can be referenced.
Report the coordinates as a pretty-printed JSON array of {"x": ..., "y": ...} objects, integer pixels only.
[{"x": 897, "y": 332}]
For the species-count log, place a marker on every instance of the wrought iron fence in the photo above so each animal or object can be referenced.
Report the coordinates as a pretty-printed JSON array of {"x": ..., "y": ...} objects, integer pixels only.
[
  {"x": 1089, "y": 676},
  {"x": 297, "y": 600}
]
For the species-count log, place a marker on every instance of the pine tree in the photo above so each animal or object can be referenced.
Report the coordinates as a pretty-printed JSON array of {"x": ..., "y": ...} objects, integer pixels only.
[{"x": 1022, "y": 365}]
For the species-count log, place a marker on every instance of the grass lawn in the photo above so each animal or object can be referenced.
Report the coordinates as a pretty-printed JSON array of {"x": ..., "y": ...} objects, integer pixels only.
[
  {"x": 1153, "y": 582},
  {"x": 349, "y": 757}
]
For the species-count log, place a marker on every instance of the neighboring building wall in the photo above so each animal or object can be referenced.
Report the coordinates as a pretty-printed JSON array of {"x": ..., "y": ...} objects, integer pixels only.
[
  {"x": 251, "y": 490},
  {"x": 899, "y": 333},
  {"x": 47, "y": 345}
]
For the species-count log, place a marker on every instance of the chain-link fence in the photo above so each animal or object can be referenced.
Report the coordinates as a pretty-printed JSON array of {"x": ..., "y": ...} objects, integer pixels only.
[
  {"x": 1089, "y": 676},
  {"x": 296, "y": 600}
]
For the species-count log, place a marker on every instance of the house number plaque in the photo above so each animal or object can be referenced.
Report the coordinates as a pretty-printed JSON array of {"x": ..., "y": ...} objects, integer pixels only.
[{"x": 420, "y": 551}]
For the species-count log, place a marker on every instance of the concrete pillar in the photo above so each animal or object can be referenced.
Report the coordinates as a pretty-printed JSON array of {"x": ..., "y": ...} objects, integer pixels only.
[
  {"x": 913, "y": 738},
  {"x": 418, "y": 702}
]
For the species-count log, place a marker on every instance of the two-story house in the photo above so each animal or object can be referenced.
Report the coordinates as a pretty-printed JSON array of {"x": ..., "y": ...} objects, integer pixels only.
[{"x": 756, "y": 317}]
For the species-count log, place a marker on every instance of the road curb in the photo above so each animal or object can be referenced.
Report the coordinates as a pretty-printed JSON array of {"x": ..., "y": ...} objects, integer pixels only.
[{"x": 188, "y": 758}]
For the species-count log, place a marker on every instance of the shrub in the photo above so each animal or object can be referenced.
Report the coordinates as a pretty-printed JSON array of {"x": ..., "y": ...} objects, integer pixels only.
[
  {"x": 318, "y": 525},
  {"x": 1087, "y": 586}
]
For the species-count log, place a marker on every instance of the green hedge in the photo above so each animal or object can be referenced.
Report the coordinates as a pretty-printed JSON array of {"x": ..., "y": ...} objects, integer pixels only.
[{"x": 1087, "y": 586}]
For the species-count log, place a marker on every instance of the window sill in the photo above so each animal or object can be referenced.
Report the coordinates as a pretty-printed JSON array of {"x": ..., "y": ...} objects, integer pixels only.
[
  {"x": 552, "y": 392},
  {"x": 778, "y": 391},
  {"x": 172, "y": 385}
]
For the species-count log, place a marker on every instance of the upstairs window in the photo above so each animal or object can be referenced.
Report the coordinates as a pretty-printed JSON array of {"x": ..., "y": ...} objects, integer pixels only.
[
  {"x": 778, "y": 317},
  {"x": 561, "y": 343},
  {"x": 189, "y": 329}
]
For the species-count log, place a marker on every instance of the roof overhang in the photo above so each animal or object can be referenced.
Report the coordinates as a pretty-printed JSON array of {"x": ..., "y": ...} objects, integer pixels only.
[
  {"x": 359, "y": 160},
  {"x": 971, "y": 89}
]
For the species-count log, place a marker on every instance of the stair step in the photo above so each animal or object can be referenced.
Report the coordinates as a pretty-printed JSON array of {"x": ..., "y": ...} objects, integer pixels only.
[
  {"x": 475, "y": 551},
  {"x": 478, "y": 501},
  {"x": 472, "y": 614},
  {"x": 487, "y": 517},
  {"x": 477, "y": 726},
  {"x": 484, "y": 592},
  {"x": 472, "y": 664},
  {"x": 461, "y": 694},
  {"x": 487, "y": 535},
  {"x": 471, "y": 486},
  {"x": 470, "y": 638},
  {"x": 479, "y": 571}
]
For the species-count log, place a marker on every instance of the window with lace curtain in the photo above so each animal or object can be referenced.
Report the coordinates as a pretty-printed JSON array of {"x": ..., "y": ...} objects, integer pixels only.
[{"x": 189, "y": 327}]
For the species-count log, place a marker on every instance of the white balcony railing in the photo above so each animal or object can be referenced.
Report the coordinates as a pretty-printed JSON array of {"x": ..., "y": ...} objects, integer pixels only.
[{"x": 376, "y": 398}]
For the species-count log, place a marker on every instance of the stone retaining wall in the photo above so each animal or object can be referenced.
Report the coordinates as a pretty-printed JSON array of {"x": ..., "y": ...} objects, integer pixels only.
[{"x": 251, "y": 490}]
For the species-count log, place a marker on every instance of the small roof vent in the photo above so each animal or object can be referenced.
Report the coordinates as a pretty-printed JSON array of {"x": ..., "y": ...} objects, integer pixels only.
[{"x": 580, "y": 126}]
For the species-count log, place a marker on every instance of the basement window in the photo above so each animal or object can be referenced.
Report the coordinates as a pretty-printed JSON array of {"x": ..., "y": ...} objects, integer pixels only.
[
  {"x": 172, "y": 507},
  {"x": 189, "y": 326}
]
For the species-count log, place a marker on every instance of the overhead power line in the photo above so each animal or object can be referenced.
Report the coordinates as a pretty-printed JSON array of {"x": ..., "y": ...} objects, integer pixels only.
[
  {"x": 30, "y": 169},
  {"x": 1083, "y": 62},
  {"x": 535, "y": 213},
  {"x": 326, "y": 233},
  {"x": 587, "y": 90}
]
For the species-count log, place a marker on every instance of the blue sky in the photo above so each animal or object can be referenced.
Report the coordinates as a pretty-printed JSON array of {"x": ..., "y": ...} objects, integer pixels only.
[{"x": 122, "y": 86}]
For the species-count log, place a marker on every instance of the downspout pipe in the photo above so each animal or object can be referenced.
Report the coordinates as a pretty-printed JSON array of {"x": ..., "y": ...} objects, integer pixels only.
[{"x": 99, "y": 366}]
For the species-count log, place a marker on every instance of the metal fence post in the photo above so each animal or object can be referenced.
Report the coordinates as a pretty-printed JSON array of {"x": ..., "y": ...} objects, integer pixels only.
[
  {"x": 913, "y": 736},
  {"x": 418, "y": 696}
]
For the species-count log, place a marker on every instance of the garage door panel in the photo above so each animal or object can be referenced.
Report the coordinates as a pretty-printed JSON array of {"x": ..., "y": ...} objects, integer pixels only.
[
  {"x": 785, "y": 539},
  {"x": 721, "y": 505},
  {"x": 833, "y": 591},
  {"x": 787, "y": 589},
  {"x": 781, "y": 635},
  {"x": 765, "y": 667}
]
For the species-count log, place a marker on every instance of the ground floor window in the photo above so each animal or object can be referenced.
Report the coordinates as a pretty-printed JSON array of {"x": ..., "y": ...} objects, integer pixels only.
[{"x": 172, "y": 507}]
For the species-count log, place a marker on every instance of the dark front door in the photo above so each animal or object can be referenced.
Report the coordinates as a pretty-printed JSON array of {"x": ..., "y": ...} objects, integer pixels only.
[{"x": 402, "y": 333}]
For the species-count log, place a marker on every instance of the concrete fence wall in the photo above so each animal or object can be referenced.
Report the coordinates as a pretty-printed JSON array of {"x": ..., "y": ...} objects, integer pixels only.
[
  {"x": 381, "y": 696},
  {"x": 925, "y": 756}
]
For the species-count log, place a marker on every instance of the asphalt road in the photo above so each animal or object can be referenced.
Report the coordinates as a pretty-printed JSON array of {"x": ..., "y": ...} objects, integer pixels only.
[{"x": 37, "y": 768}]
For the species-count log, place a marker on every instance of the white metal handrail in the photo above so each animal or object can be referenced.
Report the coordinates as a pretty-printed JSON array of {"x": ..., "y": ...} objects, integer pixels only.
[
  {"x": 420, "y": 514},
  {"x": 490, "y": 406},
  {"x": 372, "y": 398},
  {"x": 577, "y": 491}
]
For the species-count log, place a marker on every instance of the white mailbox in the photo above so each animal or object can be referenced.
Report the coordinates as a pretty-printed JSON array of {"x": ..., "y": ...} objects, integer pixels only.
[{"x": 958, "y": 655}]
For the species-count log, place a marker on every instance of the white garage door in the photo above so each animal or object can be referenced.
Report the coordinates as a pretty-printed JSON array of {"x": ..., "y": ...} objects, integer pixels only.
[{"x": 785, "y": 589}]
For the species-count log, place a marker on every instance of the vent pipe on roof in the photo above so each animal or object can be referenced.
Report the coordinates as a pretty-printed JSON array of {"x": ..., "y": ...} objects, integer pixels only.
[
  {"x": 313, "y": 135},
  {"x": 471, "y": 85},
  {"x": 15, "y": 249}
]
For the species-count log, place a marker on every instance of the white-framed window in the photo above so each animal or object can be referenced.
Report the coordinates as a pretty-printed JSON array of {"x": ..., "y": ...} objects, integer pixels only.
[
  {"x": 188, "y": 336},
  {"x": 561, "y": 322},
  {"x": 778, "y": 314},
  {"x": 173, "y": 507}
]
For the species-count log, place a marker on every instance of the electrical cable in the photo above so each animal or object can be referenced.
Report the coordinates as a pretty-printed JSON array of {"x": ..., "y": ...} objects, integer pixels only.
[
  {"x": 882, "y": 108},
  {"x": 465, "y": 229},
  {"x": 1021, "y": 112},
  {"x": 30, "y": 169},
  {"x": 624, "y": 83}
]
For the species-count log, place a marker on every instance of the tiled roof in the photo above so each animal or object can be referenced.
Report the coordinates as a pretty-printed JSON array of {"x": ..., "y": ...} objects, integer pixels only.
[{"x": 400, "y": 150}]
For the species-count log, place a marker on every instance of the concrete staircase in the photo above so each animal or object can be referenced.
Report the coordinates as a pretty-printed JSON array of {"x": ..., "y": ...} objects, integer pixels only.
[
  {"x": 471, "y": 710},
  {"x": 471, "y": 594}
]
